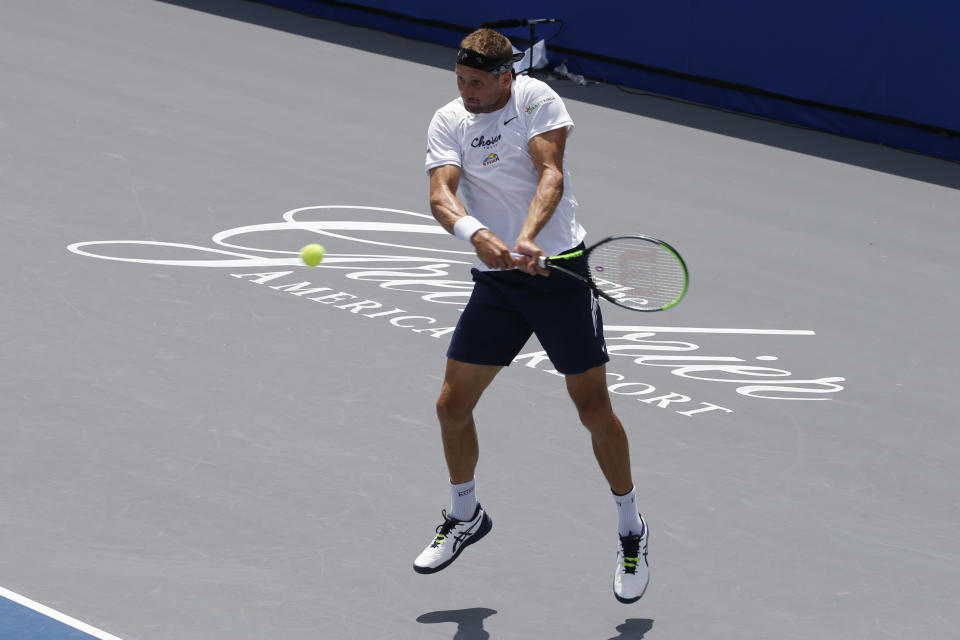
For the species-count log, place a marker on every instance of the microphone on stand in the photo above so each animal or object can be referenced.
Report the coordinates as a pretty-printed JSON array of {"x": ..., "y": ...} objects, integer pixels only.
[
  {"x": 503, "y": 24},
  {"x": 522, "y": 22}
]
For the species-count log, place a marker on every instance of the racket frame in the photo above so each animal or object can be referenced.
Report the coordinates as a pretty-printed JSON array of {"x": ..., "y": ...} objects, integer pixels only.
[{"x": 551, "y": 263}]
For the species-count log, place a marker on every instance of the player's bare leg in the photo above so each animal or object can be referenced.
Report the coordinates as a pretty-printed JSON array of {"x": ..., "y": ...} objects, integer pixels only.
[
  {"x": 463, "y": 384},
  {"x": 589, "y": 393},
  {"x": 588, "y": 390}
]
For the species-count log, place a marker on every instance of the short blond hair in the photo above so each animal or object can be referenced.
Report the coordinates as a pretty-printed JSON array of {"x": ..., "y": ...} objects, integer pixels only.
[{"x": 489, "y": 43}]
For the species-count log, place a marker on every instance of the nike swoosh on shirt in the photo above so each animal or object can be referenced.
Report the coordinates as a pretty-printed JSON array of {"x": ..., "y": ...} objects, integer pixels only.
[{"x": 510, "y": 120}]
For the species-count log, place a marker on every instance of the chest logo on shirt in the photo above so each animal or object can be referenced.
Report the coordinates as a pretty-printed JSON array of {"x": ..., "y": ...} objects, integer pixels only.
[
  {"x": 484, "y": 143},
  {"x": 491, "y": 159}
]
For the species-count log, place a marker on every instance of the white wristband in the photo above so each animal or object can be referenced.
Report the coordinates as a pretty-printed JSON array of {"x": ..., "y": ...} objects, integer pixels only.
[{"x": 465, "y": 227}]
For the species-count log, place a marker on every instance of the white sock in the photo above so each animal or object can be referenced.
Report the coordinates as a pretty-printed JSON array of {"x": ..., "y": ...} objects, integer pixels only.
[
  {"x": 463, "y": 500},
  {"x": 629, "y": 516}
]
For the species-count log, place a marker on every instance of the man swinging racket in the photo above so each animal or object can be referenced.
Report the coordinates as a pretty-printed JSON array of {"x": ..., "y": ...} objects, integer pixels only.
[{"x": 502, "y": 144}]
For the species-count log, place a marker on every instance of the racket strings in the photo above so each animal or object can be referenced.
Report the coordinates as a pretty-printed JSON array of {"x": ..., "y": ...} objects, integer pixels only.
[{"x": 638, "y": 273}]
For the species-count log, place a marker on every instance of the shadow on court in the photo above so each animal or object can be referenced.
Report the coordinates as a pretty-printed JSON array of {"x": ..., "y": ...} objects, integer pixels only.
[
  {"x": 747, "y": 127},
  {"x": 470, "y": 624},
  {"x": 633, "y": 629},
  {"x": 469, "y": 621}
]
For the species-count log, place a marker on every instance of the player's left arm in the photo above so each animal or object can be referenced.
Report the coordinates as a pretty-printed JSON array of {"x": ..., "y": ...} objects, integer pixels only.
[{"x": 546, "y": 149}]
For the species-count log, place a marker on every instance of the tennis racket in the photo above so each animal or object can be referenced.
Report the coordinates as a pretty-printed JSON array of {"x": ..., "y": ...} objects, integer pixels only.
[{"x": 632, "y": 271}]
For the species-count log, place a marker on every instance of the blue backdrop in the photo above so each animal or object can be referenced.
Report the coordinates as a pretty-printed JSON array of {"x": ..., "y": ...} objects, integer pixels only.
[{"x": 883, "y": 71}]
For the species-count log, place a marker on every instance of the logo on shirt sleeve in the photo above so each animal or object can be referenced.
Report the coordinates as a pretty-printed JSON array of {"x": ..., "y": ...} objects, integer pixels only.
[{"x": 539, "y": 103}]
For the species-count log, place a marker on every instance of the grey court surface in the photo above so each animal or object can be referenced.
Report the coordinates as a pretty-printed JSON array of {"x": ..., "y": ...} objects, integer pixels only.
[{"x": 203, "y": 439}]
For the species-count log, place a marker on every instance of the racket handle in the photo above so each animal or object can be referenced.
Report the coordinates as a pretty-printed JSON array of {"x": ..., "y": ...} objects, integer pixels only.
[{"x": 541, "y": 261}]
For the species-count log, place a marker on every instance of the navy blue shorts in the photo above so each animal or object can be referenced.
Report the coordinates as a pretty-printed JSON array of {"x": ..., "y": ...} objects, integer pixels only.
[{"x": 506, "y": 307}]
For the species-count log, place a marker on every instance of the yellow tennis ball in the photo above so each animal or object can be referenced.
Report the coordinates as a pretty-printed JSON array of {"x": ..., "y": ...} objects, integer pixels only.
[{"x": 312, "y": 254}]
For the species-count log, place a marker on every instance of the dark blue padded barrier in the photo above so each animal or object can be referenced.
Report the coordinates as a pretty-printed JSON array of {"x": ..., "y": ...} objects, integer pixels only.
[{"x": 882, "y": 71}]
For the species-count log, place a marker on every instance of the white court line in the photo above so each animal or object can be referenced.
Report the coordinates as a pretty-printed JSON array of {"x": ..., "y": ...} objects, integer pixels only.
[
  {"x": 56, "y": 615},
  {"x": 752, "y": 332}
]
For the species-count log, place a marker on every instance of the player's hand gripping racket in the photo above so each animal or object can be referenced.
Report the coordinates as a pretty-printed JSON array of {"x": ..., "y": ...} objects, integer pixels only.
[{"x": 632, "y": 271}]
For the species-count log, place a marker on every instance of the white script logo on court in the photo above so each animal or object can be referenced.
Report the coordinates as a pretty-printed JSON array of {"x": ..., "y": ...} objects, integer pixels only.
[{"x": 403, "y": 270}]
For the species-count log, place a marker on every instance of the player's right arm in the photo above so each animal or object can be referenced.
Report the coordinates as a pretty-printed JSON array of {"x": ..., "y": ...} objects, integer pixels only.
[{"x": 447, "y": 209}]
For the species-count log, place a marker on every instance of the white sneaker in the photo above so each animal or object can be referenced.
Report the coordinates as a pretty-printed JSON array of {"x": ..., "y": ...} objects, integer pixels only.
[
  {"x": 633, "y": 572},
  {"x": 453, "y": 536}
]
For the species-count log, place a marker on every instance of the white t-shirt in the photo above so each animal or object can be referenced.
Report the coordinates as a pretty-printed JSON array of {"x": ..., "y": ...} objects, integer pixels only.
[{"x": 497, "y": 177}]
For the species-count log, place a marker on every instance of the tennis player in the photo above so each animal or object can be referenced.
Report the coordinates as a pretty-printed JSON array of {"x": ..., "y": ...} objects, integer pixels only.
[{"x": 501, "y": 143}]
